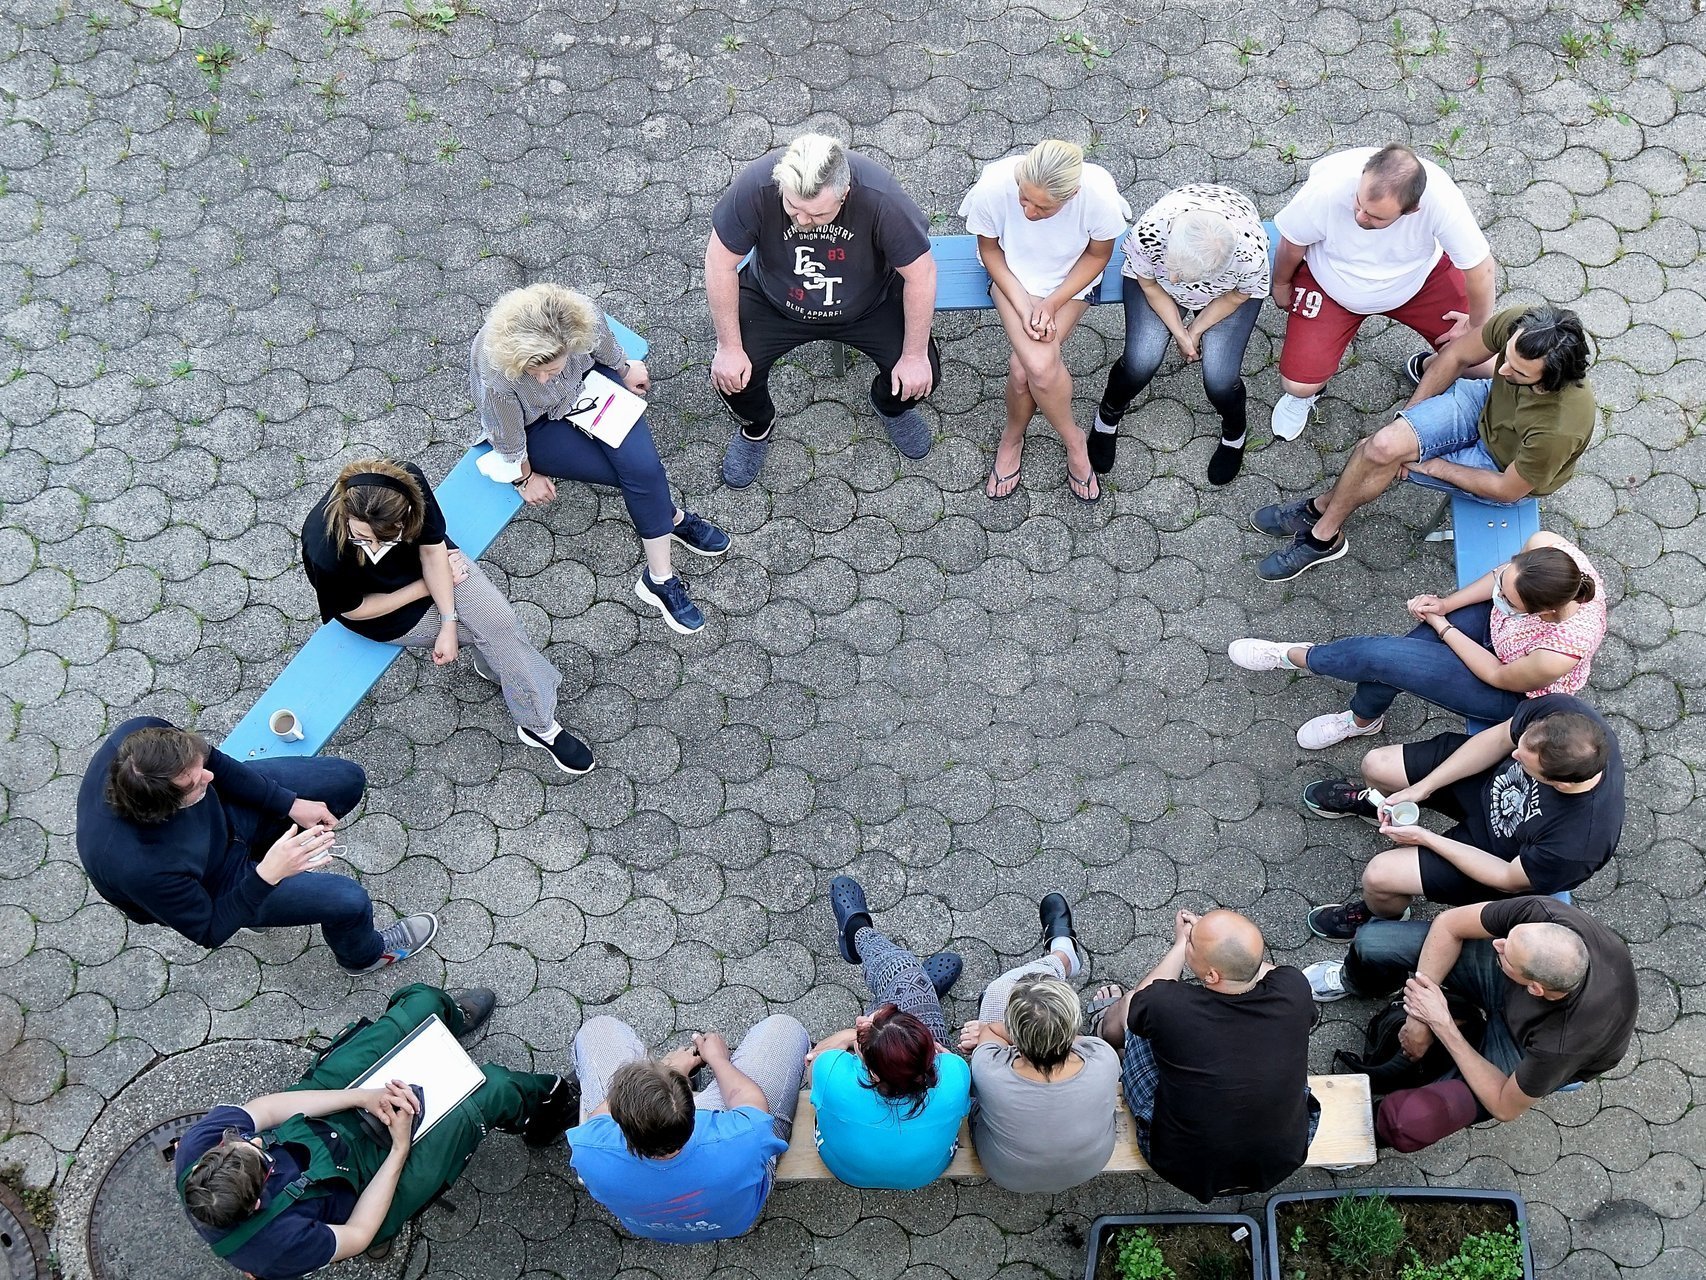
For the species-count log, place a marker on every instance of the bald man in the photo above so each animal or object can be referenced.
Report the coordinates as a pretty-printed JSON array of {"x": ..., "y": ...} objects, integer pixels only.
[
  {"x": 1558, "y": 988},
  {"x": 1215, "y": 1072}
]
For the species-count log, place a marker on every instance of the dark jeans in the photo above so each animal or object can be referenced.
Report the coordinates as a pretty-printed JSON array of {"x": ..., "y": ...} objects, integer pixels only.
[
  {"x": 338, "y": 904},
  {"x": 767, "y": 335},
  {"x": 1385, "y": 953},
  {"x": 1146, "y": 339},
  {"x": 1421, "y": 663},
  {"x": 563, "y": 451}
]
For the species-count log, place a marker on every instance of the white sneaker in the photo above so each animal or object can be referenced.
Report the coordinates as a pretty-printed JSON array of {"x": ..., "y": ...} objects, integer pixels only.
[
  {"x": 1326, "y": 731},
  {"x": 1291, "y": 415},
  {"x": 1260, "y": 655},
  {"x": 1327, "y": 980}
]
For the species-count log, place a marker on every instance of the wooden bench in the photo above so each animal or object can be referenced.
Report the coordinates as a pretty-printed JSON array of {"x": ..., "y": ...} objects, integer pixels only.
[
  {"x": 1345, "y": 1137},
  {"x": 333, "y": 672},
  {"x": 963, "y": 285}
]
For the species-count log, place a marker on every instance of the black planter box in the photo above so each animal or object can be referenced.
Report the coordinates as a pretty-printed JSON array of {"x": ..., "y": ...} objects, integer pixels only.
[
  {"x": 1103, "y": 1226},
  {"x": 1519, "y": 1210}
]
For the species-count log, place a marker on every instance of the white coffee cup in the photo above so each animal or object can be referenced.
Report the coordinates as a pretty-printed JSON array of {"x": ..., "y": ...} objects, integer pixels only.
[
  {"x": 1406, "y": 813},
  {"x": 285, "y": 724}
]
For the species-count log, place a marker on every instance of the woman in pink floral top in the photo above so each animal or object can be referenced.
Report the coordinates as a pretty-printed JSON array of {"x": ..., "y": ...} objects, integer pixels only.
[{"x": 1526, "y": 628}]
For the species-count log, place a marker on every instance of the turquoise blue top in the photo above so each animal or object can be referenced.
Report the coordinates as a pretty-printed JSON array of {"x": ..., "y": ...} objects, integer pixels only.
[{"x": 864, "y": 1139}]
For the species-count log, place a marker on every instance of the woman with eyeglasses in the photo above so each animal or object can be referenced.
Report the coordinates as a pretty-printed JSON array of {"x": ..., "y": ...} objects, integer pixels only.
[
  {"x": 380, "y": 561},
  {"x": 1529, "y": 627},
  {"x": 526, "y": 369}
]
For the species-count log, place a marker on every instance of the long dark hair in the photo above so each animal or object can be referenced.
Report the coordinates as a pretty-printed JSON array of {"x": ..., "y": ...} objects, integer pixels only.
[
  {"x": 1548, "y": 577},
  {"x": 900, "y": 1055},
  {"x": 382, "y": 495}
]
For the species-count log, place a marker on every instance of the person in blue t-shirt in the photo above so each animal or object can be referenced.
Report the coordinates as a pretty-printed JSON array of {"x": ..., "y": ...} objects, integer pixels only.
[
  {"x": 889, "y": 1094},
  {"x": 672, "y": 1164}
]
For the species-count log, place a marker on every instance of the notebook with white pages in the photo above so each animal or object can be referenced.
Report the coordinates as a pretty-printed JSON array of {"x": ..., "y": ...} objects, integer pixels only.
[
  {"x": 613, "y": 412},
  {"x": 430, "y": 1057}
]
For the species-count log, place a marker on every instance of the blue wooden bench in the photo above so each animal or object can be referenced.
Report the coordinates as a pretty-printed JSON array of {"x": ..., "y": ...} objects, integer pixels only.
[
  {"x": 334, "y": 671},
  {"x": 963, "y": 285}
]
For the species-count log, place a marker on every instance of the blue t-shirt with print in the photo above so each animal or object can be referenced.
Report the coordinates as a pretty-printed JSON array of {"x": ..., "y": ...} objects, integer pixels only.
[
  {"x": 300, "y": 1239},
  {"x": 712, "y": 1189},
  {"x": 867, "y": 1141}
]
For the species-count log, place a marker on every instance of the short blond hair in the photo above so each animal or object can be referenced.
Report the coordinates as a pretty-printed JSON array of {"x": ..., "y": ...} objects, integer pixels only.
[
  {"x": 812, "y": 162},
  {"x": 1042, "y": 1016},
  {"x": 1055, "y": 167},
  {"x": 535, "y": 324}
]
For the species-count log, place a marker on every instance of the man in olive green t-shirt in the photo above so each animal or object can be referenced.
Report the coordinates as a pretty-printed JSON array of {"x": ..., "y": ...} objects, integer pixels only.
[{"x": 1502, "y": 438}]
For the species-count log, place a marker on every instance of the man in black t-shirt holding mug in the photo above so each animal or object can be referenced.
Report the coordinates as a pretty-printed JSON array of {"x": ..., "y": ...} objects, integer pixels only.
[
  {"x": 1557, "y": 986},
  {"x": 839, "y": 253},
  {"x": 1537, "y": 802}
]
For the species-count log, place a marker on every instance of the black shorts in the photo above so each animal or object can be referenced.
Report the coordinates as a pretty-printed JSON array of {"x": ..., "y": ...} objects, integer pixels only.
[{"x": 1441, "y": 880}]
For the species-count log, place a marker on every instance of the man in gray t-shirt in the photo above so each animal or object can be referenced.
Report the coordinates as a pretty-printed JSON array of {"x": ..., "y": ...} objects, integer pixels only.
[{"x": 838, "y": 252}]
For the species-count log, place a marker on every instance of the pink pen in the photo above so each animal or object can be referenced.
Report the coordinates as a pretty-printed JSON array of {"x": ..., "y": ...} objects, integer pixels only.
[{"x": 604, "y": 410}]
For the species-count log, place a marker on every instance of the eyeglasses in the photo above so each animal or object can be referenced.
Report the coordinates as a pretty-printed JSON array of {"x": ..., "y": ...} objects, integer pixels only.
[
  {"x": 374, "y": 544},
  {"x": 583, "y": 406}
]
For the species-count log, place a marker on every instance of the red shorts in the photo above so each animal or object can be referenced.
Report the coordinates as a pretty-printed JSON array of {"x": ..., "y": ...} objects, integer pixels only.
[{"x": 1318, "y": 330}]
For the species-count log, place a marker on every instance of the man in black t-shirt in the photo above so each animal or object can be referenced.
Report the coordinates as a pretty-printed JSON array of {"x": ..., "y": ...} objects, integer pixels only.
[
  {"x": 1557, "y": 986},
  {"x": 1216, "y": 1072},
  {"x": 1537, "y": 801},
  {"x": 839, "y": 253}
]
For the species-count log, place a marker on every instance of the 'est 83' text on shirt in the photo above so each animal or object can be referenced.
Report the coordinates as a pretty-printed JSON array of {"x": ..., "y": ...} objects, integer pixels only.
[{"x": 831, "y": 274}]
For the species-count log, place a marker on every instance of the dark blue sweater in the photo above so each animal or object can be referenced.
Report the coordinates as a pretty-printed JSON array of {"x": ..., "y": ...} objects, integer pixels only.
[{"x": 173, "y": 873}]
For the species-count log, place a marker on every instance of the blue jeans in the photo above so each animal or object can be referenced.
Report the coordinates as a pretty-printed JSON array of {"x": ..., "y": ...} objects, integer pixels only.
[
  {"x": 1421, "y": 663},
  {"x": 1384, "y": 955},
  {"x": 338, "y": 904},
  {"x": 1146, "y": 339},
  {"x": 1449, "y": 426},
  {"x": 559, "y": 449}
]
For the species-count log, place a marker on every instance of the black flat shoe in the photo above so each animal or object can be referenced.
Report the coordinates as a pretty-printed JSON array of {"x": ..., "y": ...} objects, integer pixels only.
[
  {"x": 476, "y": 1004},
  {"x": 852, "y": 913},
  {"x": 1224, "y": 466},
  {"x": 1101, "y": 445},
  {"x": 943, "y": 970}
]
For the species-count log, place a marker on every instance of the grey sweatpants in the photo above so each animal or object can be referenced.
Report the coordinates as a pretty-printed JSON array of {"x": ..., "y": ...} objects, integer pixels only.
[
  {"x": 772, "y": 1055},
  {"x": 488, "y": 622}
]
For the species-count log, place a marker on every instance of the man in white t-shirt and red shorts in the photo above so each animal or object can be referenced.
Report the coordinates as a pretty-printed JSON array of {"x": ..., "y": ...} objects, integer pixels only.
[{"x": 1372, "y": 233}]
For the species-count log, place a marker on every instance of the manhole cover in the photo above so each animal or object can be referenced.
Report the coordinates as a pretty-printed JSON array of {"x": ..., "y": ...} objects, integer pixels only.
[
  {"x": 137, "y": 1228},
  {"x": 23, "y": 1248}
]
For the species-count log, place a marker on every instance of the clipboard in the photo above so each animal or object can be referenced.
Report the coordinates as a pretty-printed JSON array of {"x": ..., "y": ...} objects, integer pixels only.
[
  {"x": 615, "y": 409},
  {"x": 429, "y": 1057}
]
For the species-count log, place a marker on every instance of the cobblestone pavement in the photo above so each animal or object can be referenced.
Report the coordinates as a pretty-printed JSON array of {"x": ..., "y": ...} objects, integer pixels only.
[{"x": 221, "y": 280}]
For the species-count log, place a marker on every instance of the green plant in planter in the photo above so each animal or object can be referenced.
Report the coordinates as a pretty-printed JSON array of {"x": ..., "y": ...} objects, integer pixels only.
[
  {"x": 1220, "y": 1265},
  {"x": 1138, "y": 1257},
  {"x": 1362, "y": 1230},
  {"x": 1488, "y": 1255}
]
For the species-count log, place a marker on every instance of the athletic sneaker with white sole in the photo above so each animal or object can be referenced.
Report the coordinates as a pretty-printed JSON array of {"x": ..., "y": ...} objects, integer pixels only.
[
  {"x": 1330, "y": 730},
  {"x": 1261, "y": 655},
  {"x": 1326, "y": 980},
  {"x": 670, "y": 598},
  {"x": 401, "y": 940},
  {"x": 1291, "y": 415}
]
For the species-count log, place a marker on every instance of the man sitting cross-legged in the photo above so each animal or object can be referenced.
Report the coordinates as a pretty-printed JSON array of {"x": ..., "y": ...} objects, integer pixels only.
[
  {"x": 677, "y": 1165},
  {"x": 1537, "y": 802},
  {"x": 1216, "y": 1072},
  {"x": 290, "y": 1182},
  {"x": 1557, "y": 986},
  {"x": 1502, "y": 438}
]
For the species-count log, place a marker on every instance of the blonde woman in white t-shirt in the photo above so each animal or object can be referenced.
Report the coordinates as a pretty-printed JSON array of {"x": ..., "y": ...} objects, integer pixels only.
[{"x": 1046, "y": 224}]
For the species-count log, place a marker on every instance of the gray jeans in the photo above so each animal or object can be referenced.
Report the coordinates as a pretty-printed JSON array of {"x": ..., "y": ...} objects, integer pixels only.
[
  {"x": 772, "y": 1055},
  {"x": 488, "y": 622}
]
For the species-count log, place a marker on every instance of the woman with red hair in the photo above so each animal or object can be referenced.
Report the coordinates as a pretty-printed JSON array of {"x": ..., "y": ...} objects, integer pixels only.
[{"x": 888, "y": 1093}]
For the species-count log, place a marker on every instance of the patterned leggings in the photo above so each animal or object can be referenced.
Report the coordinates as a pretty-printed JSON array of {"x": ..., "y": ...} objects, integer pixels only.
[{"x": 895, "y": 977}]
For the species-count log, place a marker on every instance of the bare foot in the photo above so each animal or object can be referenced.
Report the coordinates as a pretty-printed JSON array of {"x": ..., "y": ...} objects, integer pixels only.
[{"x": 1004, "y": 478}]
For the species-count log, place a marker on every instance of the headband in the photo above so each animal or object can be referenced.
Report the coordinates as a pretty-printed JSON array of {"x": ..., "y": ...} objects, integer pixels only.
[{"x": 378, "y": 480}]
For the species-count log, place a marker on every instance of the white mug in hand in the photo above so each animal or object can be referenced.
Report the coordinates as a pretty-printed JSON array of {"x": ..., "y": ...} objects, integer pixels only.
[{"x": 284, "y": 723}]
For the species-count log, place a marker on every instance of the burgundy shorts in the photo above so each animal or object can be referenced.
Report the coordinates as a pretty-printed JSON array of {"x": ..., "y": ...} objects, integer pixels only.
[{"x": 1317, "y": 329}]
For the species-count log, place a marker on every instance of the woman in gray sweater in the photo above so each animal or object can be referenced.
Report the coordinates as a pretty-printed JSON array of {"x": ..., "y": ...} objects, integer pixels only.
[{"x": 525, "y": 370}]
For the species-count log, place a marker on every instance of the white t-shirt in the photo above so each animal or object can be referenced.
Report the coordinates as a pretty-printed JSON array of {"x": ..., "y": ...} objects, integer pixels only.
[
  {"x": 1041, "y": 254},
  {"x": 1369, "y": 272}
]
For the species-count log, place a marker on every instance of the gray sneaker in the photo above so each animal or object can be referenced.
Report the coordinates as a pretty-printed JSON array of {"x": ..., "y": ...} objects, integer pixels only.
[
  {"x": 1284, "y": 519},
  {"x": 1288, "y": 562},
  {"x": 402, "y": 940},
  {"x": 745, "y": 458},
  {"x": 909, "y": 432}
]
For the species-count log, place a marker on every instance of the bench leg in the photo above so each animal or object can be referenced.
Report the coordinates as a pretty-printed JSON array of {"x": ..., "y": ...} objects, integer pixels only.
[
  {"x": 838, "y": 353},
  {"x": 1442, "y": 532}
]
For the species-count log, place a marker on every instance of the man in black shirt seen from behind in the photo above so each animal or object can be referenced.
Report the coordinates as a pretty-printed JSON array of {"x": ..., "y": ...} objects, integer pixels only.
[{"x": 1216, "y": 1072}]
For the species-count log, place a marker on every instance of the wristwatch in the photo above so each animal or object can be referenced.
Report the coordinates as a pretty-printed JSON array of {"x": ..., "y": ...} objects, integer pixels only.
[{"x": 453, "y": 616}]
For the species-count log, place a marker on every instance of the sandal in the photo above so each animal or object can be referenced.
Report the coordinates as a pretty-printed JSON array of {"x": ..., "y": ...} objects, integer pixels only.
[
  {"x": 1098, "y": 1004},
  {"x": 1081, "y": 489},
  {"x": 992, "y": 487}
]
